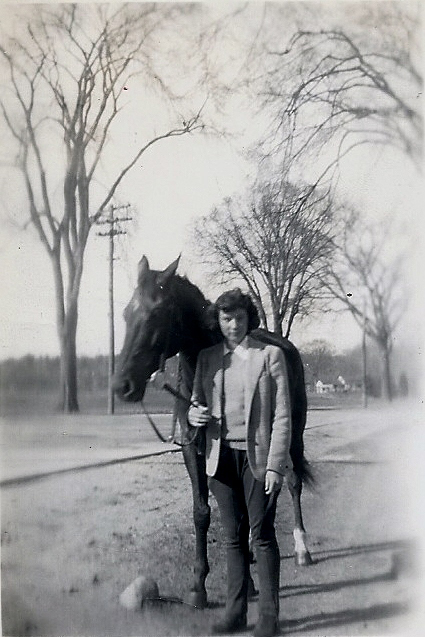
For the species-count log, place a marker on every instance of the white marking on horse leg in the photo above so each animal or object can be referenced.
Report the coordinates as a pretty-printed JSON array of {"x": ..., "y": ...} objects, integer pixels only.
[
  {"x": 302, "y": 554},
  {"x": 300, "y": 541}
]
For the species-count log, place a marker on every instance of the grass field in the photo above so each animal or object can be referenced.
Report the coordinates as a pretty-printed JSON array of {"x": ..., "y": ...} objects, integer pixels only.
[{"x": 40, "y": 402}]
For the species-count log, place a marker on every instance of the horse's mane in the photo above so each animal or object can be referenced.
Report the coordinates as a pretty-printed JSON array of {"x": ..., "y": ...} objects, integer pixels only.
[{"x": 186, "y": 293}]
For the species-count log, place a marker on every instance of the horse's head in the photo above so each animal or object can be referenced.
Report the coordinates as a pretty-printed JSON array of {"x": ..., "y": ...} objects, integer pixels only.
[{"x": 148, "y": 318}]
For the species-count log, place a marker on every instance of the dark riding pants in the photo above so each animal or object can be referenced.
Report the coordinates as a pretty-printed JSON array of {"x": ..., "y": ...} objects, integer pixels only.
[{"x": 244, "y": 505}]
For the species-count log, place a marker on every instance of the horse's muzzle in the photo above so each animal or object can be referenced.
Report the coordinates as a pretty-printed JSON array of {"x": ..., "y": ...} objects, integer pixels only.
[{"x": 126, "y": 390}]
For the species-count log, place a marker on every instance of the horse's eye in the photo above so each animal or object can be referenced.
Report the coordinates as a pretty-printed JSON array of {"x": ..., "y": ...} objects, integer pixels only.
[{"x": 157, "y": 296}]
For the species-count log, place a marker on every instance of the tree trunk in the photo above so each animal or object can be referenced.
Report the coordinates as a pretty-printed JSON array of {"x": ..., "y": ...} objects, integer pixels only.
[
  {"x": 277, "y": 329},
  {"x": 68, "y": 397},
  {"x": 386, "y": 373},
  {"x": 277, "y": 324}
]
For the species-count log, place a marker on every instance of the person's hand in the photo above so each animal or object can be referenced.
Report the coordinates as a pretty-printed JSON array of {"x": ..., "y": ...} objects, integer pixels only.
[
  {"x": 273, "y": 482},
  {"x": 198, "y": 415}
]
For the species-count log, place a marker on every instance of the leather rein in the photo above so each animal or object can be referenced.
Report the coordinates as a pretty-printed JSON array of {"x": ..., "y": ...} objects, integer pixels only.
[{"x": 176, "y": 394}]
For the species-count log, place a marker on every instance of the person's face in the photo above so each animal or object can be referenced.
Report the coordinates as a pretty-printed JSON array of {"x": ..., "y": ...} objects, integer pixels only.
[{"x": 233, "y": 325}]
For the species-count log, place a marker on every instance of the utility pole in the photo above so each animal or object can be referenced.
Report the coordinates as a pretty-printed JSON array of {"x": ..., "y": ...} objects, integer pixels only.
[
  {"x": 113, "y": 231},
  {"x": 364, "y": 358}
]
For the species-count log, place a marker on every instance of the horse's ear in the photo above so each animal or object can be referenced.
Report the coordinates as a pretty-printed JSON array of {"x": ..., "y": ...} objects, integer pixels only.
[
  {"x": 170, "y": 271},
  {"x": 143, "y": 267}
]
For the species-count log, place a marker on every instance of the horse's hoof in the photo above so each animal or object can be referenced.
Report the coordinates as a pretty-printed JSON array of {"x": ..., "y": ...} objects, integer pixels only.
[
  {"x": 303, "y": 559},
  {"x": 197, "y": 599}
]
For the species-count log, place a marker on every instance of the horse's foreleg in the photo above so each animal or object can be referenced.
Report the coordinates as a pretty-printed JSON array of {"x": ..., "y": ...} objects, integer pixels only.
[
  {"x": 195, "y": 464},
  {"x": 302, "y": 554}
]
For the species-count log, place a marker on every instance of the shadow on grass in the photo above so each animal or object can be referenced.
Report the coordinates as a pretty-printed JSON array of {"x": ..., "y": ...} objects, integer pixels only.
[
  {"x": 12, "y": 482},
  {"x": 402, "y": 560},
  {"x": 329, "y": 587},
  {"x": 408, "y": 545},
  {"x": 324, "y": 621}
]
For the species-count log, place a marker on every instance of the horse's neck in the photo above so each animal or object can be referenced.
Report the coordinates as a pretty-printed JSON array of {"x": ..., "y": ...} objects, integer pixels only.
[
  {"x": 190, "y": 330},
  {"x": 195, "y": 338},
  {"x": 193, "y": 332},
  {"x": 188, "y": 356}
]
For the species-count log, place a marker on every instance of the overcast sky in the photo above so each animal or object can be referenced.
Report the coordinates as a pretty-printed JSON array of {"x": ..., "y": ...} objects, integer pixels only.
[{"x": 179, "y": 180}]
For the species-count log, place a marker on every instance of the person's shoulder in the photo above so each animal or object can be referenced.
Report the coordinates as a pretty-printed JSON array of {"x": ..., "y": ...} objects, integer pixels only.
[
  {"x": 275, "y": 353},
  {"x": 255, "y": 343},
  {"x": 206, "y": 352},
  {"x": 272, "y": 350}
]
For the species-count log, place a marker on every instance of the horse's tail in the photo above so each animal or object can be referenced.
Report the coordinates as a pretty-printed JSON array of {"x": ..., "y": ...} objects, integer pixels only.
[{"x": 295, "y": 367}]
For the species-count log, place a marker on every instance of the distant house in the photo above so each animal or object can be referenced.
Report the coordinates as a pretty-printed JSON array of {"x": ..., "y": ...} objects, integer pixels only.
[
  {"x": 341, "y": 385},
  {"x": 324, "y": 388}
]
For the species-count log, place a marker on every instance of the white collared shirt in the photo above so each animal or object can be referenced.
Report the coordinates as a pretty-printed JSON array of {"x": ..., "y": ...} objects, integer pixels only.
[
  {"x": 240, "y": 350},
  {"x": 233, "y": 390}
]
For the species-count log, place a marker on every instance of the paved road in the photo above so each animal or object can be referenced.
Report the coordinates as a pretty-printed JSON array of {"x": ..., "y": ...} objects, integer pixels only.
[
  {"x": 31, "y": 447},
  {"x": 366, "y": 523},
  {"x": 361, "y": 519}
]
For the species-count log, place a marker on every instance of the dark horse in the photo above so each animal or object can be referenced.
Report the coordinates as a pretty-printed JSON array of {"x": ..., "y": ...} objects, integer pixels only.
[{"x": 165, "y": 316}]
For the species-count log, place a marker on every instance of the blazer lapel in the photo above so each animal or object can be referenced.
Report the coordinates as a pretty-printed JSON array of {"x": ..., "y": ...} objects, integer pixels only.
[
  {"x": 216, "y": 381},
  {"x": 253, "y": 370}
]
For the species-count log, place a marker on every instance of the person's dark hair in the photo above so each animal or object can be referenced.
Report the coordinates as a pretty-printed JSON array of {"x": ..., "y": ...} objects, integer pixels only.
[{"x": 229, "y": 302}]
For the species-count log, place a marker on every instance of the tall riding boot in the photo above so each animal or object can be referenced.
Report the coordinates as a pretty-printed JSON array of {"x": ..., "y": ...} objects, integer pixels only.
[
  {"x": 237, "y": 582},
  {"x": 235, "y": 614},
  {"x": 268, "y": 566}
]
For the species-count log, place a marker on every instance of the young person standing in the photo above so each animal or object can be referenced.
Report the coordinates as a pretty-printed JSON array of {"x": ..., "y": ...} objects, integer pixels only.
[{"x": 242, "y": 398}]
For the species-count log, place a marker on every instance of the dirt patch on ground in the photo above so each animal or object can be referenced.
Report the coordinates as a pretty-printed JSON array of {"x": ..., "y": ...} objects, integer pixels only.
[{"x": 72, "y": 543}]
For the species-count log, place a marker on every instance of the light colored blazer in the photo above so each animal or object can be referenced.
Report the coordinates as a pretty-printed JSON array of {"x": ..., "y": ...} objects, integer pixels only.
[{"x": 267, "y": 406}]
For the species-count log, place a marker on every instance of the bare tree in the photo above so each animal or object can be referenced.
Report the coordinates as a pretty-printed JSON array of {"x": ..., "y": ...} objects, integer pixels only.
[
  {"x": 367, "y": 278},
  {"x": 277, "y": 242},
  {"x": 320, "y": 361},
  {"x": 68, "y": 72},
  {"x": 341, "y": 87}
]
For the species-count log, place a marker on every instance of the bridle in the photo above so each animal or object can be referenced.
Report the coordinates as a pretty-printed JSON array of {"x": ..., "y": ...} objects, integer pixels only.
[
  {"x": 190, "y": 441},
  {"x": 178, "y": 396},
  {"x": 175, "y": 392}
]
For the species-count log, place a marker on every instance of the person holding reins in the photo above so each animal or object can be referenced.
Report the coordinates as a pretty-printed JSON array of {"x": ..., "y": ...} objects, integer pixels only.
[{"x": 241, "y": 396}]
